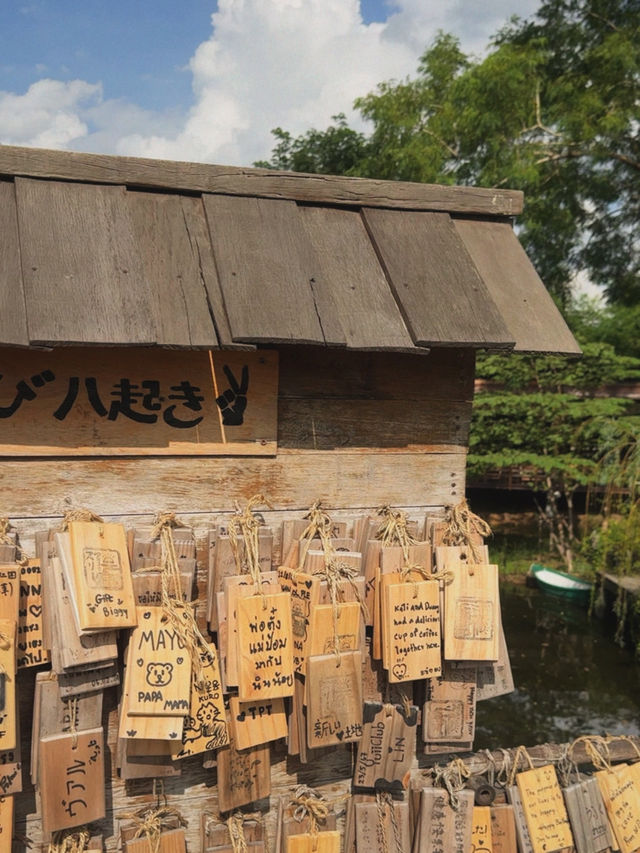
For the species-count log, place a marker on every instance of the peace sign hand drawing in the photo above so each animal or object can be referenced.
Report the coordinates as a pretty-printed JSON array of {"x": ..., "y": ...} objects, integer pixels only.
[{"x": 233, "y": 402}]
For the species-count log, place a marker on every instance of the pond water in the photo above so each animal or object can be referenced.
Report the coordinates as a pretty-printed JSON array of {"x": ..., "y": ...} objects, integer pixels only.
[{"x": 571, "y": 678}]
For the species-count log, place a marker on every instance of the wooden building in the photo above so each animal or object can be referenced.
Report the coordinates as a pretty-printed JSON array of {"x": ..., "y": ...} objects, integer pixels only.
[{"x": 177, "y": 337}]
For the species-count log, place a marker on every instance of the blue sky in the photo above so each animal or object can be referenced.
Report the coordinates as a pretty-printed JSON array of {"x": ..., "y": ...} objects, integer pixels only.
[{"x": 207, "y": 80}]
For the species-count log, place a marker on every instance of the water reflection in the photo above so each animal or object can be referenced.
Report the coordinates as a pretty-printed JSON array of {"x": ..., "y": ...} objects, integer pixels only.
[{"x": 570, "y": 677}]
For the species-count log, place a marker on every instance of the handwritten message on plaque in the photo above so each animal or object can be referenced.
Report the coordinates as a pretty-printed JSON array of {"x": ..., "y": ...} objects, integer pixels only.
[
  {"x": 205, "y": 726},
  {"x": 411, "y": 630},
  {"x": 621, "y": 795},
  {"x": 31, "y": 650},
  {"x": 265, "y": 658},
  {"x": 544, "y": 809}
]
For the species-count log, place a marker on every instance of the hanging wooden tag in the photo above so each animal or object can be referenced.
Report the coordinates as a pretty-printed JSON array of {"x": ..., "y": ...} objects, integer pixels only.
[
  {"x": 140, "y": 726},
  {"x": 621, "y": 794},
  {"x": 290, "y": 822},
  {"x": 376, "y": 836},
  {"x": 522, "y": 830},
  {"x": 371, "y": 564},
  {"x": 544, "y": 809},
  {"x": 11, "y": 772},
  {"x": 440, "y": 828},
  {"x": 481, "y": 837},
  {"x": 472, "y": 612},
  {"x": 160, "y": 667},
  {"x": 411, "y": 629},
  {"x": 235, "y": 588},
  {"x": 8, "y": 738},
  {"x": 243, "y": 777},
  {"x": 205, "y": 726},
  {"x": 387, "y": 747},
  {"x": 348, "y": 630},
  {"x": 334, "y": 699},
  {"x": 71, "y": 779},
  {"x": 147, "y": 587},
  {"x": 169, "y": 841},
  {"x": 495, "y": 679},
  {"x": 9, "y": 591},
  {"x": 6, "y": 824},
  {"x": 145, "y": 765},
  {"x": 255, "y": 723},
  {"x": 265, "y": 658},
  {"x": 503, "y": 829},
  {"x": 588, "y": 817},
  {"x": 319, "y": 842},
  {"x": 102, "y": 576},
  {"x": 31, "y": 649},
  {"x": 449, "y": 714},
  {"x": 305, "y": 593},
  {"x": 76, "y": 683}
]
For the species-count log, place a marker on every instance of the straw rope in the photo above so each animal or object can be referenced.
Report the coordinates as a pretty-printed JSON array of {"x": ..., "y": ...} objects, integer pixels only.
[{"x": 461, "y": 527}]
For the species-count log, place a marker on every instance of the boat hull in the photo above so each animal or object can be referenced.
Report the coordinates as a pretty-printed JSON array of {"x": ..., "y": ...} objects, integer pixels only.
[{"x": 561, "y": 584}]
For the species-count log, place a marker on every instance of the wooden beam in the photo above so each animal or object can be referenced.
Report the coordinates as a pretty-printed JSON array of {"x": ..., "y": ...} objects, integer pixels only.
[{"x": 263, "y": 183}]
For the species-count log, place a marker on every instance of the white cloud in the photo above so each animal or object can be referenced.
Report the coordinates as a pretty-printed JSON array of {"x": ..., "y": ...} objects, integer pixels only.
[{"x": 267, "y": 63}]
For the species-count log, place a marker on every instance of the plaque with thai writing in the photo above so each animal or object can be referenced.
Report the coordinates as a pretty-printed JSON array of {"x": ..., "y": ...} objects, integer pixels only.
[
  {"x": 472, "y": 613},
  {"x": 334, "y": 699},
  {"x": 102, "y": 591},
  {"x": 544, "y": 809},
  {"x": 621, "y": 795},
  {"x": 411, "y": 630},
  {"x": 30, "y": 640},
  {"x": 265, "y": 658},
  {"x": 205, "y": 726},
  {"x": 387, "y": 747},
  {"x": 255, "y": 723},
  {"x": 159, "y": 668},
  {"x": 71, "y": 779},
  {"x": 587, "y": 816},
  {"x": 234, "y": 588},
  {"x": 449, "y": 714}
]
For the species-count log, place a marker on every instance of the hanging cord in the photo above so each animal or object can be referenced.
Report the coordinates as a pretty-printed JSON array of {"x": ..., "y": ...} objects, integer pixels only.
[
  {"x": 151, "y": 821},
  {"x": 452, "y": 777},
  {"x": 72, "y": 709},
  {"x": 235, "y": 825},
  {"x": 69, "y": 841},
  {"x": 246, "y": 524},
  {"x": 521, "y": 752},
  {"x": 310, "y": 804},
  {"x": 180, "y": 613},
  {"x": 6, "y": 539},
  {"x": 394, "y": 530},
  {"x": 596, "y": 748},
  {"x": 384, "y": 801},
  {"x": 79, "y": 515},
  {"x": 461, "y": 527}
]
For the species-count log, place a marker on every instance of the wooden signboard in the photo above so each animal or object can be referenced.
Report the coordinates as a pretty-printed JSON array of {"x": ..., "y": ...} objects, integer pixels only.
[
  {"x": 71, "y": 779},
  {"x": 588, "y": 817},
  {"x": 143, "y": 401},
  {"x": 100, "y": 580},
  {"x": 387, "y": 747},
  {"x": 544, "y": 809},
  {"x": 255, "y": 723},
  {"x": 159, "y": 670},
  {"x": 30, "y": 642},
  {"x": 503, "y": 829},
  {"x": 6, "y": 824},
  {"x": 205, "y": 726},
  {"x": 449, "y": 714},
  {"x": 8, "y": 730},
  {"x": 481, "y": 837},
  {"x": 319, "y": 842},
  {"x": 472, "y": 613},
  {"x": 305, "y": 593},
  {"x": 334, "y": 699},
  {"x": 411, "y": 629},
  {"x": 387, "y": 836},
  {"x": 265, "y": 657},
  {"x": 243, "y": 777},
  {"x": 621, "y": 795},
  {"x": 9, "y": 591},
  {"x": 441, "y": 828}
]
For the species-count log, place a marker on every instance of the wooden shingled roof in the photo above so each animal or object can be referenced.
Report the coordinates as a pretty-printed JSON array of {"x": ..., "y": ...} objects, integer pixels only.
[{"x": 101, "y": 250}]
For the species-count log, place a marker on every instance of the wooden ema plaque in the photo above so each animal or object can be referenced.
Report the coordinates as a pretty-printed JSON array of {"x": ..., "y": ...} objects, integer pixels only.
[
  {"x": 495, "y": 678},
  {"x": 411, "y": 629},
  {"x": 305, "y": 593},
  {"x": 205, "y": 726},
  {"x": 102, "y": 590},
  {"x": 71, "y": 779},
  {"x": 143, "y": 401},
  {"x": 255, "y": 723},
  {"x": 522, "y": 830},
  {"x": 9, "y": 591},
  {"x": 472, "y": 613},
  {"x": 588, "y": 817},
  {"x": 320, "y": 842},
  {"x": 503, "y": 829},
  {"x": 544, "y": 809},
  {"x": 30, "y": 642},
  {"x": 374, "y": 835},
  {"x": 440, "y": 828},
  {"x": 6, "y": 824},
  {"x": 169, "y": 841},
  {"x": 140, "y": 726},
  {"x": 449, "y": 714},
  {"x": 347, "y": 633},
  {"x": 8, "y": 736},
  {"x": 243, "y": 777},
  {"x": 481, "y": 836},
  {"x": 621, "y": 794},
  {"x": 160, "y": 678},
  {"x": 11, "y": 769},
  {"x": 387, "y": 747},
  {"x": 334, "y": 699},
  {"x": 265, "y": 658},
  {"x": 236, "y": 587}
]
